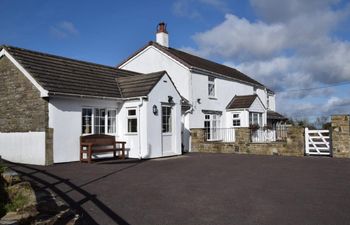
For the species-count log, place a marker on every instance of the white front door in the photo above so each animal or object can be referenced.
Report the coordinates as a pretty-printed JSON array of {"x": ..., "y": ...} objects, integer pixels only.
[{"x": 167, "y": 130}]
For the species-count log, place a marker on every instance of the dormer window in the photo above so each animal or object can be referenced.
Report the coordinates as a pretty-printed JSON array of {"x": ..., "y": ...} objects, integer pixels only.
[{"x": 211, "y": 86}]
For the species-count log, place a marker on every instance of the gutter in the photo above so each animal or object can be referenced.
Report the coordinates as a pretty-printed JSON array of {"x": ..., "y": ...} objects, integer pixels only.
[{"x": 92, "y": 96}]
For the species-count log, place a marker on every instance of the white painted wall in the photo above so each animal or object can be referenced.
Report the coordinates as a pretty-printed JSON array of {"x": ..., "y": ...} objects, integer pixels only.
[
  {"x": 154, "y": 129},
  {"x": 65, "y": 118},
  {"x": 153, "y": 60},
  {"x": 27, "y": 147}
]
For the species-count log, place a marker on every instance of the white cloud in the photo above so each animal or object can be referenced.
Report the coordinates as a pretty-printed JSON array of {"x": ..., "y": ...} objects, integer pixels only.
[
  {"x": 292, "y": 45},
  {"x": 64, "y": 29}
]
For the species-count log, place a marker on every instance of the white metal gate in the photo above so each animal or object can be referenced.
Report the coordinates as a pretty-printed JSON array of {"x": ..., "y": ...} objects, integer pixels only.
[{"x": 317, "y": 142}]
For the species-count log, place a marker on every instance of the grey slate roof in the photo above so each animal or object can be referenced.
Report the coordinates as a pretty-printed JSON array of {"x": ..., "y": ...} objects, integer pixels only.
[
  {"x": 131, "y": 86},
  {"x": 272, "y": 115},
  {"x": 241, "y": 102},
  {"x": 60, "y": 75},
  {"x": 193, "y": 61}
]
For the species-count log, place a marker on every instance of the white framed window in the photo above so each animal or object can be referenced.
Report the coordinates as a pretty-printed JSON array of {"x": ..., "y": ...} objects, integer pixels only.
[
  {"x": 166, "y": 119},
  {"x": 268, "y": 102},
  {"x": 111, "y": 121},
  {"x": 211, "y": 87},
  {"x": 132, "y": 120},
  {"x": 236, "y": 120},
  {"x": 255, "y": 118},
  {"x": 86, "y": 121},
  {"x": 212, "y": 123},
  {"x": 99, "y": 121}
]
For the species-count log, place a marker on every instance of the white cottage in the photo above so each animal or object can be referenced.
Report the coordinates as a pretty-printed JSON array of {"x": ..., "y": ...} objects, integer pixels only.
[
  {"x": 209, "y": 87},
  {"x": 47, "y": 102}
]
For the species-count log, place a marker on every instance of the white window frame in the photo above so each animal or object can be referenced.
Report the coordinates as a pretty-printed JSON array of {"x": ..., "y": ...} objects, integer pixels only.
[
  {"x": 211, "y": 83},
  {"x": 214, "y": 126},
  {"x": 236, "y": 117},
  {"x": 92, "y": 121},
  {"x": 170, "y": 122},
  {"x": 106, "y": 118},
  {"x": 129, "y": 117},
  {"x": 259, "y": 117}
]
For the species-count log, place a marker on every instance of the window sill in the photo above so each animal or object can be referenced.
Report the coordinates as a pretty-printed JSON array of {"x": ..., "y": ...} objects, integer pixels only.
[
  {"x": 131, "y": 134},
  {"x": 167, "y": 134},
  {"x": 213, "y": 98}
]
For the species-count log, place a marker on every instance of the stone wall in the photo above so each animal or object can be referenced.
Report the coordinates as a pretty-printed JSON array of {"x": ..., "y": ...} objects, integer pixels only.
[
  {"x": 294, "y": 146},
  {"x": 341, "y": 136},
  {"x": 21, "y": 107}
]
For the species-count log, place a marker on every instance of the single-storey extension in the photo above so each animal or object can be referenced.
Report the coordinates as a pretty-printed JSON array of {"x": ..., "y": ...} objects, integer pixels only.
[{"x": 47, "y": 102}]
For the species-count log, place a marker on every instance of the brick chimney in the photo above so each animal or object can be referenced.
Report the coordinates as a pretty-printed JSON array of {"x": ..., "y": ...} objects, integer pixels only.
[{"x": 162, "y": 36}]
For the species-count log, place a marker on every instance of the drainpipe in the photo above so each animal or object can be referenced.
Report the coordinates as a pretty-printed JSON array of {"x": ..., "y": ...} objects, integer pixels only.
[{"x": 139, "y": 126}]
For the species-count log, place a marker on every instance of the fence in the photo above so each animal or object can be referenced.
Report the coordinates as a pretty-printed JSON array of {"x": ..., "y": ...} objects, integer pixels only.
[
  {"x": 263, "y": 136},
  {"x": 220, "y": 134},
  {"x": 26, "y": 147}
]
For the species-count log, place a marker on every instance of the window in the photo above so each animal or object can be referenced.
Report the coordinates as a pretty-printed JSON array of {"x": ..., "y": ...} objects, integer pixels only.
[
  {"x": 111, "y": 125},
  {"x": 211, "y": 87},
  {"x": 255, "y": 118},
  {"x": 97, "y": 121},
  {"x": 268, "y": 102},
  {"x": 236, "y": 120},
  {"x": 211, "y": 125},
  {"x": 87, "y": 121},
  {"x": 132, "y": 121},
  {"x": 100, "y": 121},
  {"x": 166, "y": 119}
]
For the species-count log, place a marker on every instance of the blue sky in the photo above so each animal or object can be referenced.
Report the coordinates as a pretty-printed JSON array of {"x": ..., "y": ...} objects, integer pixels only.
[{"x": 292, "y": 46}]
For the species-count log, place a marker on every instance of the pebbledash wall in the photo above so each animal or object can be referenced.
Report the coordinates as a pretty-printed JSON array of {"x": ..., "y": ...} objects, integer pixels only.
[
  {"x": 23, "y": 118},
  {"x": 293, "y": 146}
]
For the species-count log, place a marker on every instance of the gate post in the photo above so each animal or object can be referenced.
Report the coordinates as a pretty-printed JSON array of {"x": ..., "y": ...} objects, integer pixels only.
[{"x": 306, "y": 141}]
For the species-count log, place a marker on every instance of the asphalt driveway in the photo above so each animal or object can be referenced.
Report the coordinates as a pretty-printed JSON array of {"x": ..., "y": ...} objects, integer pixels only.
[{"x": 203, "y": 189}]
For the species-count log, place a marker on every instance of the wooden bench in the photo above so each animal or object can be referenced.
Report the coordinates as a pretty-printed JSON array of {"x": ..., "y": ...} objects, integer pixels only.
[{"x": 100, "y": 143}]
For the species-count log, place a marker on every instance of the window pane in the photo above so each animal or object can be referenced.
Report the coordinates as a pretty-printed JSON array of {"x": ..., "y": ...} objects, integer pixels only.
[
  {"x": 87, "y": 121},
  {"x": 112, "y": 121},
  {"x": 166, "y": 119},
  {"x": 132, "y": 112},
  {"x": 132, "y": 125}
]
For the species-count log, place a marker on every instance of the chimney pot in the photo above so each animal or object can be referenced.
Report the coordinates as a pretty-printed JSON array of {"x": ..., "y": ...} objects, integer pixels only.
[
  {"x": 162, "y": 36},
  {"x": 161, "y": 28}
]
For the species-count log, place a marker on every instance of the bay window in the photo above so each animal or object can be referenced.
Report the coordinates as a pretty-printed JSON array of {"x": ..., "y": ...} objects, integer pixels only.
[{"x": 255, "y": 118}]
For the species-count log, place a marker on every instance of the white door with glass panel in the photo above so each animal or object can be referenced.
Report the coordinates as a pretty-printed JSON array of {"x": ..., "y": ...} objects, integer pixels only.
[{"x": 167, "y": 130}]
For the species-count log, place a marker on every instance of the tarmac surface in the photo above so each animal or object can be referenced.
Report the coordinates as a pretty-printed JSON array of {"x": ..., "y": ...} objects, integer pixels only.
[{"x": 202, "y": 189}]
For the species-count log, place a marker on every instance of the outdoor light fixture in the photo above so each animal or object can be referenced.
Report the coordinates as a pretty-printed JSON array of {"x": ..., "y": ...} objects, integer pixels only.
[
  {"x": 155, "y": 110},
  {"x": 199, "y": 100},
  {"x": 170, "y": 99}
]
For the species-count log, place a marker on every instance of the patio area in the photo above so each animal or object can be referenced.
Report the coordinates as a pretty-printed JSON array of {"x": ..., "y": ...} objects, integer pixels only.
[{"x": 200, "y": 188}]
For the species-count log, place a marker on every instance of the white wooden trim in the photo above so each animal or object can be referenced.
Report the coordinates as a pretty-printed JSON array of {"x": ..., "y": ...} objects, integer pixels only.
[
  {"x": 317, "y": 147},
  {"x": 43, "y": 92}
]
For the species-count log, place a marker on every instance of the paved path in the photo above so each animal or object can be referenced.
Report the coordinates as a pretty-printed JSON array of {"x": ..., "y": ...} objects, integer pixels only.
[{"x": 204, "y": 189}]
